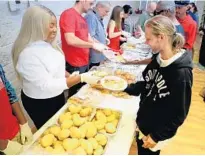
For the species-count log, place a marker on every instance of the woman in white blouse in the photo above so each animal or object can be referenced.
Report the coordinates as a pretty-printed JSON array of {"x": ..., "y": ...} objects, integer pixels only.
[{"x": 40, "y": 65}]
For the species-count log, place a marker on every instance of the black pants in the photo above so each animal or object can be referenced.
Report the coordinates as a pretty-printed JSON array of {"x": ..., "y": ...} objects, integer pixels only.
[
  {"x": 144, "y": 151},
  {"x": 93, "y": 64},
  {"x": 72, "y": 69},
  {"x": 41, "y": 110}
]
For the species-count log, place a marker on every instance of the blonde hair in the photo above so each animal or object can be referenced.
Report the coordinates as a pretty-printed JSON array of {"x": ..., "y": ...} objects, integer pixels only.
[
  {"x": 34, "y": 27},
  {"x": 163, "y": 25}
]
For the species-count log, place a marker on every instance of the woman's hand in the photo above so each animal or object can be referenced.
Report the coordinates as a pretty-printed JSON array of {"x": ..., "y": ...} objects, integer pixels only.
[
  {"x": 123, "y": 39},
  {"x": 148, "y": 142}
]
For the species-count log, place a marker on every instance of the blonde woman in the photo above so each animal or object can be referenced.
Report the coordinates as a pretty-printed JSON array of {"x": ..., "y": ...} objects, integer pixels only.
[
  {"x": 40, "y": 65},
  {"x": 166, "y": 90}
]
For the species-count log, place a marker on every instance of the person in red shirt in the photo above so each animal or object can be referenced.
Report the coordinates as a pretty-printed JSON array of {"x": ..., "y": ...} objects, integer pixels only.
[
  {"x": 188, "y": 24},
  {"x": 76, "y": 39},
  {"x": 14, "y": 129}
]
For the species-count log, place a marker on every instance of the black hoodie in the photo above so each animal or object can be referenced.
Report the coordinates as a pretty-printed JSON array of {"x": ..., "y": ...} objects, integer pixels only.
[{"x": 165, "y": 97}]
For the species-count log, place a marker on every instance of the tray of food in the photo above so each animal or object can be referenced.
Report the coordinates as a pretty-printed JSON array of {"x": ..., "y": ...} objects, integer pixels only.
[
  {"x": 107, "y": 121},
  {"x": 84, "y": 140},
  {"x": 128, "y": 76},
  {"x": 128, "y": 46},
  {"x": 114, "y": 57},
  {"x": 73, "y": 134}
]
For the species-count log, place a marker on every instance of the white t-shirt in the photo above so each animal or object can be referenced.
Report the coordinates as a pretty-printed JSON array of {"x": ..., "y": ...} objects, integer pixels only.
[{"x": 42, "y": 69}]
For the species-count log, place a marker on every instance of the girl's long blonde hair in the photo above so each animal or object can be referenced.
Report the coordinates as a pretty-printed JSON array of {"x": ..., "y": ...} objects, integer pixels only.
[
  {"x": 163, "y": 25},
  {"x": 34, "y": 27}
]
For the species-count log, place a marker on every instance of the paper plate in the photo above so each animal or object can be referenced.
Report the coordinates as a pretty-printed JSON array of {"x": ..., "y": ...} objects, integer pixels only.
[{"x": 114, "y": 83}]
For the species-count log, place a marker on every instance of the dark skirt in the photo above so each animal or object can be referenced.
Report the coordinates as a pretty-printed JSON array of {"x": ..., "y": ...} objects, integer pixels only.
[{"x": 41, "y": 110}]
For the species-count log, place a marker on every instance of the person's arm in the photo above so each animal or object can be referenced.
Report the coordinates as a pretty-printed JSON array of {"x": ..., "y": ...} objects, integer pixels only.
[
  {"x": 3, "y": 144},
  {"x": 67, "y": 74},
  {"x": 191, "y": 36},
  {"x": 13, "y": 99},
  {"x": 9, "y": 147},
  {"x": 135, "y": 89},
  {"x": 73, "y": 80},
  {"x": 73, "y": 40},
  {"x": 25, "y": 131},
  {"x": 180, "y": 99},
  {"x": 145, "y": 61},
  {"x": 111, "y": 32}
]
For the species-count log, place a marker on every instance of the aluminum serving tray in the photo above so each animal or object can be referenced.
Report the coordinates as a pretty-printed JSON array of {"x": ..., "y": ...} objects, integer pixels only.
[
  {"x": 118, "y": 125},
  {"x": 38, "y": 149}
]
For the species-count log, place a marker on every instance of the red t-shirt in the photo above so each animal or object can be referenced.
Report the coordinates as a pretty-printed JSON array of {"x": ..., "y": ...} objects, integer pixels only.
[
  {"x": 9, "y": 126},
  {"x": 190, "y": 29},
  {"x": 72, "y": 22}
]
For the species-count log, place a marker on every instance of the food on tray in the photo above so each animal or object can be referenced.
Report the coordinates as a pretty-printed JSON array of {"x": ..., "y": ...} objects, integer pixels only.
[
  {"x": 70, "y": 144},
  {"x": 110, "y": 118},
  {"x": 85, "y": 112},
  {"x": 119, "y": 58},
  {"x": 58, "y": 149},
  {"x": 106, "y": 120},
  {"x": 101, "y": 139},
  {"x": 47, "y": 140},
  {"x": 74, "y": 108},
  {"x": 91, "y": 130},
  {"x": 128, "y": 46},
  {"x": 56, "y": 143},
  {"x": 79, "y": 151},
  {"x": 100, "y": 73},
  {"x": 98, "y": 150},
  {"x": 77, "y": 120},
  {"x": 130, "y": 78},
  {"x": 118, "y": 94},
  {"x": 99, "y": 124},
  {"x": 78, "y": 101},
  {"x": 121, "y": 95},
  {"x": 66, "y": 124},
  {"x": 131, "y": 46},
  {"x": 75, "y": 132},
  {"x": 94, "y": 142},
  {"x": 113, "y": 83},
  {"x": 110, "y": 128},
  {"x": 87, "y": 146},
  {"x": 64, "y": 133},
  {"x": 55, "y": 130},
  {"x": 107, "y": 112}
]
